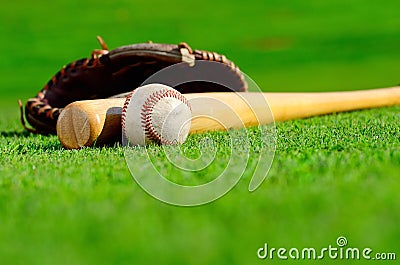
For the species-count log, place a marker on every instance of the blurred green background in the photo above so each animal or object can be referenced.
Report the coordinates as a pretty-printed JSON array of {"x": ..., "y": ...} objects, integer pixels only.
[
  {"x": 72, "y": 207},
  {"x": 301, "y": 45}
]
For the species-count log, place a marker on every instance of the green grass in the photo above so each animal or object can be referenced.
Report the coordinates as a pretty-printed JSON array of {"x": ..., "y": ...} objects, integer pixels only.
[{"x": 332, "y": 175}]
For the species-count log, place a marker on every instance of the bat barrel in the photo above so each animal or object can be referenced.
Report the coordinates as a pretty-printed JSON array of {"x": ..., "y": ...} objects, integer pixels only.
[{"x": 84, "y": 123}]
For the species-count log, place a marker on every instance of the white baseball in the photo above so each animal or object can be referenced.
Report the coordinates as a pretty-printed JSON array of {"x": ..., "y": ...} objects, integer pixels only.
[{"x": 155, "y": 113}]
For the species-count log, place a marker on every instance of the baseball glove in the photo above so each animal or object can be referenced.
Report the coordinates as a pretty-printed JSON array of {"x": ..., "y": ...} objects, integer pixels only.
[{"x": 107, "y": 73}]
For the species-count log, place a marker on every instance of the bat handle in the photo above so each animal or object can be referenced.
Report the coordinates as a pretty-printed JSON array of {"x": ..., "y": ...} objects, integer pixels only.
[{"x": 286, "y": 106}]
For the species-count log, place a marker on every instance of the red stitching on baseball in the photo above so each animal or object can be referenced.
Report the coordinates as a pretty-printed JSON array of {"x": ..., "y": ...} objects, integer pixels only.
[
  {"x": 124, "y": 108},
  {"x": 147, "y": 110}
]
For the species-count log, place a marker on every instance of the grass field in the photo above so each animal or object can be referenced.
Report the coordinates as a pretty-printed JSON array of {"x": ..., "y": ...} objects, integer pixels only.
[{"x": 335, "y": 175}]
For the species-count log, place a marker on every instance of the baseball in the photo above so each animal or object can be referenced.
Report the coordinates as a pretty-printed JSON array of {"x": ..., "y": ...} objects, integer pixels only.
[{"x": 155, "y": 113}]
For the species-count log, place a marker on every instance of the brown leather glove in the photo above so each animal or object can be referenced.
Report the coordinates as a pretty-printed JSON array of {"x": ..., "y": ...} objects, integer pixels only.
[{"x": 118, "y": 71}]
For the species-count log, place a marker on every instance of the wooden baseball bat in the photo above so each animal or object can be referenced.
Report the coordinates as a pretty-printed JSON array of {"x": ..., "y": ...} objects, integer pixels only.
[{"x": 90, "y": 122}]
